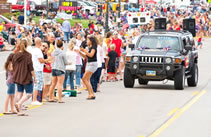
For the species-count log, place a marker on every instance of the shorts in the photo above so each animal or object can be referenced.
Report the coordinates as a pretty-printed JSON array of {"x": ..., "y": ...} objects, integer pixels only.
[
  {"x": 11, "y": 88},
  {"x": 117, "y": 62},
  {"x": 1, "y": 46},
  {"x": 56, "y": 73},
  {"x": 199, "y": 43},
  {"x": 39, "y": 85},
  {"x": 28, "y": 88},
  {"x": 111, "y": 69},
  {"x": 91, "y": 66},
  {"x": 47, "y": 78}
]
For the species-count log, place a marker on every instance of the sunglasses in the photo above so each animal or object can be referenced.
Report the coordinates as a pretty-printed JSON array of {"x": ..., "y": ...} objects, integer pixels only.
[{"x": 45, "y": 47}]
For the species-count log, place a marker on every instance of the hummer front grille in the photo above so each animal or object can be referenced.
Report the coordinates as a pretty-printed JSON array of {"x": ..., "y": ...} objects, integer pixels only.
[{"x": 155, "y": 60}]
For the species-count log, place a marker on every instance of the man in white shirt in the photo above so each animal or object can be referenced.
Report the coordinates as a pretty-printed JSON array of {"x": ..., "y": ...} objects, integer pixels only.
[{"x": 38, "y": 63}]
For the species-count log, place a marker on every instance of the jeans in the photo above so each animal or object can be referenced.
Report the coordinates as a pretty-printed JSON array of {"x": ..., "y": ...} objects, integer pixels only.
[
  {"x": 95, "y": 79},
  {"x": 71, "y": 74},
  {"x": 67, "y": 36},
  {"x": 78, "y": 75},
  {"x": 28, "y": 88}
]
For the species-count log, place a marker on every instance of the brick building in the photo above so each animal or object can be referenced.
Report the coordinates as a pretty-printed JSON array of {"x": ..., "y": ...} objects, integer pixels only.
[{"x": 5, "y": 6}]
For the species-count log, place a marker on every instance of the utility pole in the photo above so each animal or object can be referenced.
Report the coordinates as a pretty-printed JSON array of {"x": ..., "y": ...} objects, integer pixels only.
[
  {"x": 46, "y": 8},
  {"x": 119, "y": 20},
  {"x": 25, "y": 15},
  {"x": 106, "y": 22}
]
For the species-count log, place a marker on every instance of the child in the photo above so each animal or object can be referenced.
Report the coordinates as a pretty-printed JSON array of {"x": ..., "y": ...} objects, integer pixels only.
[
  {"x": 110, "y": 63},
  {"x": 1, "y": 43},
  {"x": 11, "y": 86},
  {"x": 200, "y": 41}
]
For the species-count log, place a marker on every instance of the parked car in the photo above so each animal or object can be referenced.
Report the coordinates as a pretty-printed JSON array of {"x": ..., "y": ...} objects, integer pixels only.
[
  {"x": 7, "y": 23},
  {"x": 31, "y": 6}
]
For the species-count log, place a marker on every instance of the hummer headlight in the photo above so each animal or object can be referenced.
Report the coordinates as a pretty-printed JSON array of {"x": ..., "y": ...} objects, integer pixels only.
[
  {"x": 135, "y": 59},
  {"x": 168, "y": 60}
]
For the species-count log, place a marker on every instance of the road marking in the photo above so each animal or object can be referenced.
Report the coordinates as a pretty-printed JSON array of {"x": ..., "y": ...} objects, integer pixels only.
[
  {"x": 195, "y": 93},
  {"x": 33, "y": 107},
  {"x": 173, "y": 111},
  {"x": 82, "y": 89},
  {"x": 177, "y": 115},
  {"x": 1, "y": 114}
]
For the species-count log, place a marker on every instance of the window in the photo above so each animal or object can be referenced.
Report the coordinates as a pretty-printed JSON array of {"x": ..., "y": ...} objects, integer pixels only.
[{"x": 159, "y": 42}]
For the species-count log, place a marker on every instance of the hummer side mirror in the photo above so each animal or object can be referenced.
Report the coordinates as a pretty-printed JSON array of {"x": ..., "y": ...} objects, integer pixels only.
[
  {"x": 132, "y": 46},
  {"x": 188, "y": 47}
]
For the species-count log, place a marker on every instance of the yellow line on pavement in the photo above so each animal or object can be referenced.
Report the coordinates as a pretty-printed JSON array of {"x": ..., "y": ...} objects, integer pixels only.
[
  {"x": 1, "y": 114},
  {"x": 173, "y": 111},
  {"x": 33, "y": 107},
  {"x": 177, "y": 115},
  {"x": 195, "y": 93},
  {"x": 82, "y": 89}
]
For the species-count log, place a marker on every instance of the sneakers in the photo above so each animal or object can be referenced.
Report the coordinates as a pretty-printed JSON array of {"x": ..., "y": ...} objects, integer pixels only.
[{"x": 36, "y": 103}]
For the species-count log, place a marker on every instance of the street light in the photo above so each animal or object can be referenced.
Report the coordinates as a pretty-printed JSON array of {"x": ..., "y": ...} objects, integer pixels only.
[{"x": 46, "y": 8}]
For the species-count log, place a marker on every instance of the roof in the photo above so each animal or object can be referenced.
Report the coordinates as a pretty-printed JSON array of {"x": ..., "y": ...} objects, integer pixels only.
[{"x": 168, "y": 33}]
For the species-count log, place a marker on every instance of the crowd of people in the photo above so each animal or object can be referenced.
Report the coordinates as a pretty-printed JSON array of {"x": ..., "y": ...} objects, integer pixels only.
[
  {"x": 66, "y": 57},
  {"x": 74, "y": 61}
]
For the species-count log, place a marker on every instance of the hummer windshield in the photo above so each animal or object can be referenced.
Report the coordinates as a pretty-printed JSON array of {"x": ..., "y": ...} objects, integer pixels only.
[{"x": 159, "y": 42}]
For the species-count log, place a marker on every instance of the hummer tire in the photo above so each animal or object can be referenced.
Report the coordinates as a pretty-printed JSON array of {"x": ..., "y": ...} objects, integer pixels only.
[
  {"x": 193, "y": 80},
  {"x": 129, "y": 79},
  {"x": 179, "y": 79}
]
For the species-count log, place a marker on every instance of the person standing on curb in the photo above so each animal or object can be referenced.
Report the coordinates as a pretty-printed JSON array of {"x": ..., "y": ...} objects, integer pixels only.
[
  {"x": 58, "y": 71},
  {"x": 23, "y": 72},
  {"x": 38, "y": 62}
]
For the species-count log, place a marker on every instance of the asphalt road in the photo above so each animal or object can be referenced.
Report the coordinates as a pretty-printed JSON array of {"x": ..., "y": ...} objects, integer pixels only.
[{"x": 153, "y": 110}]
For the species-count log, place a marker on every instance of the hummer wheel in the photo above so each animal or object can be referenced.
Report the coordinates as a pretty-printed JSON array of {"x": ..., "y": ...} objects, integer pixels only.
[
  {"x": 129, "y": 79},
  {"x": 193, "y": 80},
  {"x": 179, "y": 79}
]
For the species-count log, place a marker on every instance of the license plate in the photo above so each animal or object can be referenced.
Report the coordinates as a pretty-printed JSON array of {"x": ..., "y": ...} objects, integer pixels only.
[{"x": 150, "y": 73}]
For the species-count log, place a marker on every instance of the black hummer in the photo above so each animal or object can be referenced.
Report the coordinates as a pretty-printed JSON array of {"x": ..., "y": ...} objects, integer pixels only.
[{"x": 159, "y": 56}]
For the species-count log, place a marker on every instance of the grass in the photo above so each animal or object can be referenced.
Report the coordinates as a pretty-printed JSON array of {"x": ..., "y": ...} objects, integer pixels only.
[{"x": 84, "y": 22}]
